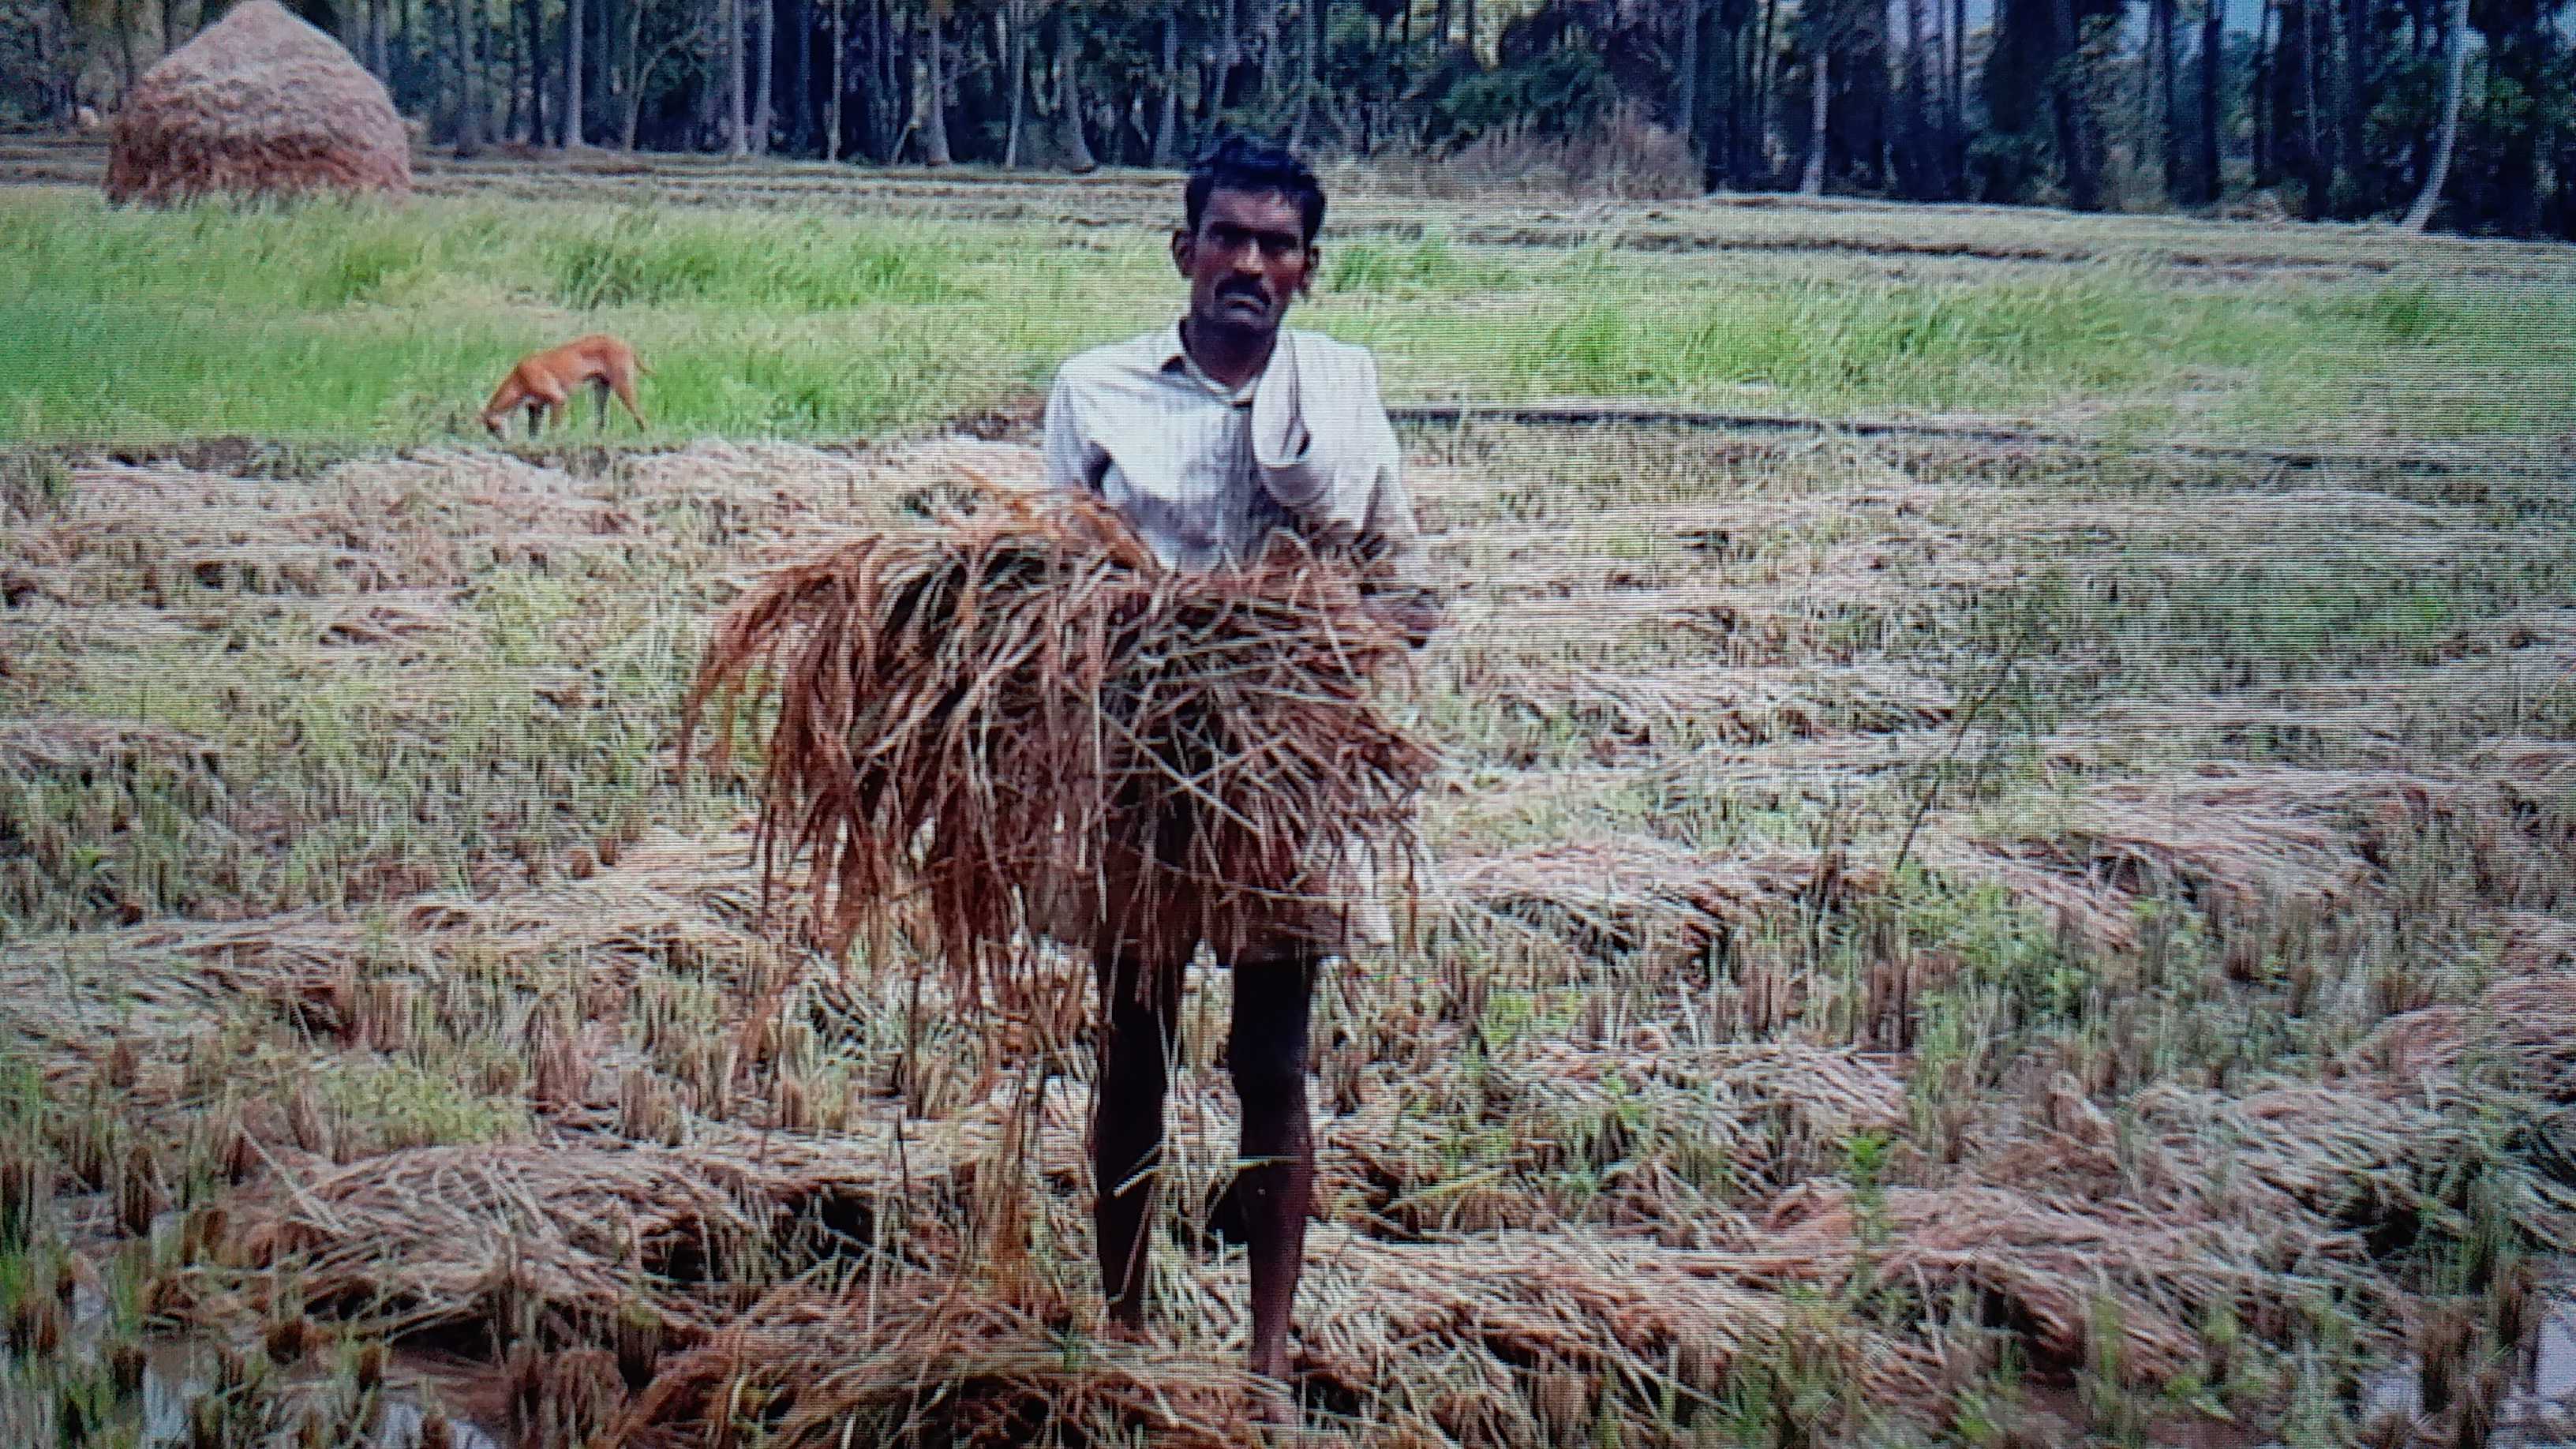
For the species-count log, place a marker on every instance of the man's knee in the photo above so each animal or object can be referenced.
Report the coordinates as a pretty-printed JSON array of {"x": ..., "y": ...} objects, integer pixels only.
[
  {"x": 1133, "y": 1065},
  {"x": 1267, "y": 1069},
  {"x": 1266, "y": 1050}
]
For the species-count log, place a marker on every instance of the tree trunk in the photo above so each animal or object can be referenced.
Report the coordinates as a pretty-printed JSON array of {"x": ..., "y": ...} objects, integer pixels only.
[
  {"x": 1813, "y": 183},
  {"x": 932, "y": 107},
  {"x": 518, "y": 77},
  {"x": 572, "y": 134},
  {"x": 469, "y": 93},
  {"x": 1956, "y": 133},
  {"x": 1726, "y": 148},
  {"x": 616, "y": 56},
  {"x": 1686, "y": 98},
  {"x": 2455, "y": 67},
  {"x": 1765, "y": 63},
  {"x": 894, "y": 82},
  {"x": 2213, "y": 46},
  {"x": 1302, "y": 99},
  {"x": 1310, "y": 105},
  {"x": 1014, "y": 14},
  {"x": 838, "y": 16},
  {"x": 2319, "y": 167},
  {"x": 42, "y": 38},
  {"x": 2070, "y": 104},
  {"x": 800, "y": 110},
  {"x": 2358, "y": 51},
  {"x": 382, "y": 42},
  {"x": 594, "y": 42},
  {"x": 2259, "y": 99},
  {"x": 633, "y": 76},
  {"x": 764, "y": 55},
  {"x": 2161, "y": 19},
  {"x": 1229, "y": 54},
  {"x": 121, "y": 15},
  {"x": 1167, "y": 121},
  {"x": 1917, "y": 149},
  {"x": 876, "y": 77},
  {"x": 532, "y": 34},
  {"x": 1068, "y": 95},
  {"x": 737, "y": 78}
]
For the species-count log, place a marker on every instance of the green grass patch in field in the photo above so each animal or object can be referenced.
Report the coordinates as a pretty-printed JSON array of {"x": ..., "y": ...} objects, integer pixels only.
[
  {"x": 390, "y": 325},
  {"x": 393, "y": 1104}
]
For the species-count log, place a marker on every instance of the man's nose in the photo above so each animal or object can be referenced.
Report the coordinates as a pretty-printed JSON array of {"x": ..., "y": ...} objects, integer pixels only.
[{"x": 1245, "y": 256}]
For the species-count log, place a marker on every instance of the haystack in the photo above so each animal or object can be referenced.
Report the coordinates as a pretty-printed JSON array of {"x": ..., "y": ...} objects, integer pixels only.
[
  {"x": 260, "y": 104},
  {"x": 1015, "y": 717}
]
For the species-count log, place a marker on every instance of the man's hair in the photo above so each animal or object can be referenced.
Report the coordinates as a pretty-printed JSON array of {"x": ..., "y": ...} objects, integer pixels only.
[{"x": 1240, "y": 162}]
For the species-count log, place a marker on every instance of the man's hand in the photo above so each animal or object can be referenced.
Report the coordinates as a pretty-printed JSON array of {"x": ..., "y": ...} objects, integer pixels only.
[{"x": 1416, "y": 614}]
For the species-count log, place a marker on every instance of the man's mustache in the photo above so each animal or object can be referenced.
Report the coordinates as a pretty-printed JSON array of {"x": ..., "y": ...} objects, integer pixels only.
[{"x": 1253, "y": 290}]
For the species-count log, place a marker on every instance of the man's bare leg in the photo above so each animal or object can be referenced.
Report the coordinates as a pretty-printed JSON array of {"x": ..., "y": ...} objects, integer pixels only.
[
  {"x": 1127, "y": 1128},
  {"x": 1275, "y": 1183}
]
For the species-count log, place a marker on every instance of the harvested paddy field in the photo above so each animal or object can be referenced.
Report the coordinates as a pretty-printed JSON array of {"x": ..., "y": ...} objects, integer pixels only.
[{"x": 1934, "y": 939}]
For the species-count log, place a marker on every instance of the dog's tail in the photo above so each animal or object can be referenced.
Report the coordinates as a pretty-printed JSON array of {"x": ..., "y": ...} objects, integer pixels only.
[{"x": 640, "y": 367}]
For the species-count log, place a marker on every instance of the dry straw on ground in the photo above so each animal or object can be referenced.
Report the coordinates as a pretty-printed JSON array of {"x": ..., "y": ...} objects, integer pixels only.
[
  {"x": 986, "y": 712},
  {"x": 260, "y": 104}
]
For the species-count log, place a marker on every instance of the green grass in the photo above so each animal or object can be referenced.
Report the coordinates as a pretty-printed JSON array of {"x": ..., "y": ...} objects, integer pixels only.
[{"x": 366, "y": 324}]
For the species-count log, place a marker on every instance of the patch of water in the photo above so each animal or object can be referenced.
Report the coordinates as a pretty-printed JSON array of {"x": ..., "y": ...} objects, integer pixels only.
[
  {"x": 178, "y": 1371},
  {"x": 2540, "y": 1413}
]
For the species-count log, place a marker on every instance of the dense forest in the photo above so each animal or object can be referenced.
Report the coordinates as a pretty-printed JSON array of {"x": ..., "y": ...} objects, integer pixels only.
[{"x": 2318, "y": 109}]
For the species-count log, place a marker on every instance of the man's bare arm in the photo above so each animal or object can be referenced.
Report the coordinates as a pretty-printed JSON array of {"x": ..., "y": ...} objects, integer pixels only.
[{"x": 1403, "y": 586}]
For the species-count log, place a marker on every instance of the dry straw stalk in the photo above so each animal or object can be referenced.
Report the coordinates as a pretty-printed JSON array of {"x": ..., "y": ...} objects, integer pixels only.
[{"x": 1016, "y": 709}]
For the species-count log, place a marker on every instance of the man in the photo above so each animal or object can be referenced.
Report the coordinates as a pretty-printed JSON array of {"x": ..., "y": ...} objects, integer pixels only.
[{"x": 1205, "y": 436}]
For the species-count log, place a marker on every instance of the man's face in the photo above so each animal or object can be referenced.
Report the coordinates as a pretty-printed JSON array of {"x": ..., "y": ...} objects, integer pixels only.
[{"x": 1247, "y": 262}]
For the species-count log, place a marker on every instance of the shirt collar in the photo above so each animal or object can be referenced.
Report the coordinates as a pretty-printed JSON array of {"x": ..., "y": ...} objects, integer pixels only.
[{"x": 1174, "y": 358}]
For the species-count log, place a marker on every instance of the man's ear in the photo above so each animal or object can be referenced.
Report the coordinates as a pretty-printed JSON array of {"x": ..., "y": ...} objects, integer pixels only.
[
  {"x": 1184, "y": 248},
  {"x": 1314, "y": 264}
]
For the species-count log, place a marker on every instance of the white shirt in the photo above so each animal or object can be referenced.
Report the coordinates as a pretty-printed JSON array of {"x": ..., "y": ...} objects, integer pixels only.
[{"x": 1204, "y": 472}]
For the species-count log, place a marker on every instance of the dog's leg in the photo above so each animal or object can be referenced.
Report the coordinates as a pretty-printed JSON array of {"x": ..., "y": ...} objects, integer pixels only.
[
  {"x": 625, "y": 386},
  {"x": 551, "y": 398}
]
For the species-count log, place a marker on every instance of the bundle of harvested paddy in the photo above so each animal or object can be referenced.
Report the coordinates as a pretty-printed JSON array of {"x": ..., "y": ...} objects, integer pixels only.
[
  {"x": 1611, "y": 896},
  {"x": 1015, "y": 702},
  {"x": 2038, "y": 1263},
  {"x": 1518, "y": 1339},
  {"x": 2519, "y": 1035},
  {"x": 1645, "y": 1134},
  {"x": 431, "y": 1238},
  {"x": 901, "y": 1361},
  {"x": 453, "y": 1236}
]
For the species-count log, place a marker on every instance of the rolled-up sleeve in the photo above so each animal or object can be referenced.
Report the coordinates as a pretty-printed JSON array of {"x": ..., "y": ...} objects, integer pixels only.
[
  {"x": 1327, "y": 453},
  {"x": 1297, "y": 397},
  {"x": 1068, "y": 448}
]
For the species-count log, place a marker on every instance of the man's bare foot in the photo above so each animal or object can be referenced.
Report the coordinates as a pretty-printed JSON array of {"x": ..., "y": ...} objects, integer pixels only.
[
  {"x": 1274, "y": 1407},
  {"x": 1131, "y": 1334}
]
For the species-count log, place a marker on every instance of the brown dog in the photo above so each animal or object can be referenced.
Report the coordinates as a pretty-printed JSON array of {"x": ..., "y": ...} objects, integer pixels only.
[{"x": 544, "y": 382}]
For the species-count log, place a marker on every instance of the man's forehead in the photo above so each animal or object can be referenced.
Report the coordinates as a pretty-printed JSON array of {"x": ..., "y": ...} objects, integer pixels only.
[{"x": 1258, "y": 210}]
